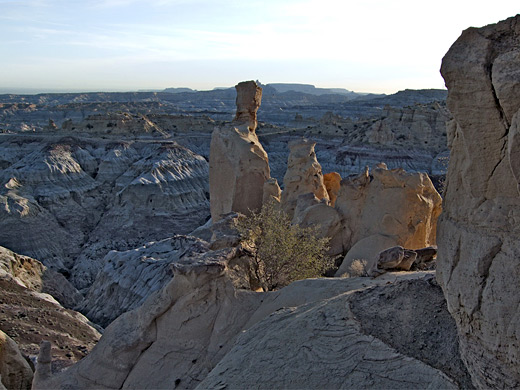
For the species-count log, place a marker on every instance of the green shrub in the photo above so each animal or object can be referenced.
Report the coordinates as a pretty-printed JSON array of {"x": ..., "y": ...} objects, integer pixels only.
[{"x": 283, "y": 252}]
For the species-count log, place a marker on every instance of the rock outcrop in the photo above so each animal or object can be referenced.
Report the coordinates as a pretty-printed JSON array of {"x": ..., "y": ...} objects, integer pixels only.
[
  {"x": 311, "y": 212},
  {"x": 303, "y": 175},
  {"x": 33, "y": 275},
  {"x": 479, "y": 229},
  {"x": 238, "y": 164},
  {"x": 389, "y": 208},
  {"x": 15, "y": 372},
  {"x": 332, "y": 182},
  {"x": 129, "y": 277},
  {"x": 252, "y": 338}
]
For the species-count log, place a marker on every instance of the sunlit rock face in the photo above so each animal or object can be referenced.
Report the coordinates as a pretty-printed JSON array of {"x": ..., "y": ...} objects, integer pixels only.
[
  {"x": 479, "y": 229},
  {"x": 386, "y": 208},
  {"x": 238, "y": 164},
  {"x": 303, "y": 175}
]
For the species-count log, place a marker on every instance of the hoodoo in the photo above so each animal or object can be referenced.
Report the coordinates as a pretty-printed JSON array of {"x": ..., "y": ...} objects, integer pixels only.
[{"x": 238, "y": 164}]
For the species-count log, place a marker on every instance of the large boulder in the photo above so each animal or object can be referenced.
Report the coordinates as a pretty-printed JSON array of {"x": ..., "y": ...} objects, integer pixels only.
[
  {"x": 15, "y": 372},
  {"x": 385, "y": 209},
  {"x": 479, "y": 230},
  {"x": 238, "y": 164},
  {"x": 310, "y": 212}
]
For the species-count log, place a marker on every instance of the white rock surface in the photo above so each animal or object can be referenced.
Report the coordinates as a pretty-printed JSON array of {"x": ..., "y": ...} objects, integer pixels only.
[
  {"x": 185, "y": 335},
  {"x": 129, "y": 277}
]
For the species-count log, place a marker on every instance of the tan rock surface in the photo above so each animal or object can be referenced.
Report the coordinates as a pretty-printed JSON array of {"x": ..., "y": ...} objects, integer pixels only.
[
  {"x": 303, "y": 175},
  {"x": 319, "y": 345},
  {"x": 332, "y": 182},
  {"x": 33, "y": 275},
  {"x": 479, "y": 235},
  {"x": 394, "y": 208},
  {"x": 238, "y": 164},
  {"x": 15, "y": 372},
  {"x": 272, "y": 191},
  {"x": 310, "y": 212}
]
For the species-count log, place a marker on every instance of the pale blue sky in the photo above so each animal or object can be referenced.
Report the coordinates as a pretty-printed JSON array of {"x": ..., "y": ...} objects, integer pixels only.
[{"x": 114, "y": 45}]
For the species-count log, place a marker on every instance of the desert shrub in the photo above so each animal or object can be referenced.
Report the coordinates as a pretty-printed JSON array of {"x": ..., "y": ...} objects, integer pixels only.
[{"x": 283, "y": 252}]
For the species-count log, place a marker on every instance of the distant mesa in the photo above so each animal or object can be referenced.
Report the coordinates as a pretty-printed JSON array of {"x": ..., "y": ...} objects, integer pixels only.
[
  {"x": 178, "y": 90},
  {"x": 309, "y": 88}
]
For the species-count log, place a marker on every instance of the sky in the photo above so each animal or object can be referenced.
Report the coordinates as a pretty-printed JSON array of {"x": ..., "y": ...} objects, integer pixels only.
[{"x": 378, "y": 46}]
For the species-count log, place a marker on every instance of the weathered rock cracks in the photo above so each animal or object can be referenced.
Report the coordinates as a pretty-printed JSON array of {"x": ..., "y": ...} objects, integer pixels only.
[
  {"x": 479, "y": 230},
  {"x": 199, "y": 331}
]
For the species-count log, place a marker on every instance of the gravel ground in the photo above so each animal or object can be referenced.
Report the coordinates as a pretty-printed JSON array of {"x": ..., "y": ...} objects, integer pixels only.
[{"x": 28, "y": 319}]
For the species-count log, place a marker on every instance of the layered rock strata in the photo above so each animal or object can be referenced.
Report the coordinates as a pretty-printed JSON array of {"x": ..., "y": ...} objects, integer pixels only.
[
  {"x": 479, "y": 230},
  {"x": 74, "y": 199},
  {"x": 128, "y": 278},
  {"x": 238, "y": 164}
]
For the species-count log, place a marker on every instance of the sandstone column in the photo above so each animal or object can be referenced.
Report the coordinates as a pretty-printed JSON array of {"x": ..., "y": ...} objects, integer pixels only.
[{"x": 238, "y": 164}]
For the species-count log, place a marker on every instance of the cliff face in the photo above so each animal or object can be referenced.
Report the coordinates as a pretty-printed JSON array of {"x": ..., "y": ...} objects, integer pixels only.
[{"x": 479, "y": 230}]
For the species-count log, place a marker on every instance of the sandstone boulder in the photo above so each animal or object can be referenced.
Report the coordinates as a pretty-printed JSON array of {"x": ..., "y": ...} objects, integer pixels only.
[
  {"x": 479, "y": 230},
  {"x": 303, "y": 175},
  {"x": 15, "y": 372},
  {"x": 310, "y": 212},
  {"x": 238, "y": 164},
  {"x": 409, "y": 259},
  {"x": 389, "y": 208},
  {"x": 332, "y": 182},
  {"x": 391, "y": 257},
  {"x": 361, "y": 259},
  {"x": 272, "y": 191},
  {"x": 425, "y": 257}
]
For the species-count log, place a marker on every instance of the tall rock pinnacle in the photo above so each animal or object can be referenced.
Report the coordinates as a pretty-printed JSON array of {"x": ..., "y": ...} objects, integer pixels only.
[{"x": 238, "y": 164}]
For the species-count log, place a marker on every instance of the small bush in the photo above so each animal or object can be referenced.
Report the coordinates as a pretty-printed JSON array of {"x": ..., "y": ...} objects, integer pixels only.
[{"x": 283, "y": 252}]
